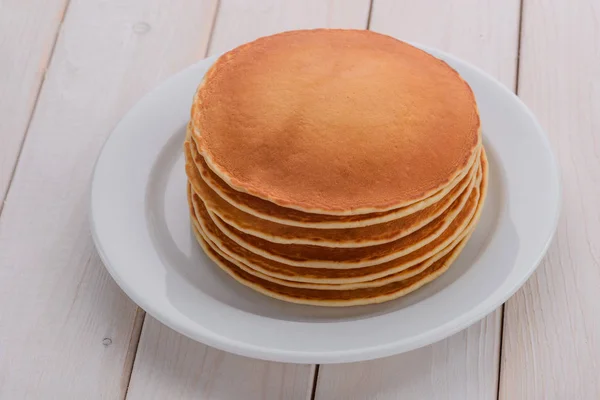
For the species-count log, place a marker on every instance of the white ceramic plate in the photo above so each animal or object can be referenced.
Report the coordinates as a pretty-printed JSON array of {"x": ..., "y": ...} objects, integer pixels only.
[{"x": 141, "y": 228}]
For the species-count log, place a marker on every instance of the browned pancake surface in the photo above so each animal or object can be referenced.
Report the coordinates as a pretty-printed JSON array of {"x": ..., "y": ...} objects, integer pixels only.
[{"x": 335, "y": 121}]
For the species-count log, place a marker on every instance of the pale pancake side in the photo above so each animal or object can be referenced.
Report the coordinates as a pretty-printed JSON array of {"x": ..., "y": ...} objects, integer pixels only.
[
  {"x": 350, "y": 237},
  {"x": 387, "y": 122},
  {"x": 271, "y": 212}
]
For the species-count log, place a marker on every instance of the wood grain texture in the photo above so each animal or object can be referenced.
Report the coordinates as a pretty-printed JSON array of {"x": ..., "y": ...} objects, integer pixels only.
[
  {"x": 253, "y": 19},
  {"x": 66, "y": 330},
  {"x": 171, "y": 366},
  {"x": 551, "y": 347},
  {"x": 27, "y": 36},
  {"x": 464, "y": 366}
]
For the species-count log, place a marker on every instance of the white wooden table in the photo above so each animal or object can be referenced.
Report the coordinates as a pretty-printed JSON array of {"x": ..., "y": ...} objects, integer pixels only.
[{"x": 70, "y": 69}]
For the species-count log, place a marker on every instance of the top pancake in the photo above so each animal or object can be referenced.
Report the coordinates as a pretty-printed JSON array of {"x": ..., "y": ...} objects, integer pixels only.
[
  {"x": 269, "y": 211},
  {"x": 337, "y": 122}
]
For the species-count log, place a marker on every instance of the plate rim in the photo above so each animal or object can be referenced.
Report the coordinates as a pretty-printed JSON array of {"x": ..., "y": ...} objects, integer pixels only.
[{"x": 439, "y": 332}]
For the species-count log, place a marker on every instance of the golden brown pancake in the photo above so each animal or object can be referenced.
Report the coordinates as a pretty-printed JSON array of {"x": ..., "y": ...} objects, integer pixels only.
[
  {"x": 452, "y": 222},
  {"x": 287, "y": 277},
  {"x": 319, "y": 275},
  {"x": 332, "y": 298},
  {"x": 271, "y": 212},
  {"x": 352, "y": 237},
  {"x": 232, "y": 250},
  {"x": 391, "y": 278},
  {"x": 375, "y": 124}
]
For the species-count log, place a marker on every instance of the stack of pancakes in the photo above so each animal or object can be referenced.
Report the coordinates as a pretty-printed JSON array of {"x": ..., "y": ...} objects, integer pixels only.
[{"x": 334, "y": 167}]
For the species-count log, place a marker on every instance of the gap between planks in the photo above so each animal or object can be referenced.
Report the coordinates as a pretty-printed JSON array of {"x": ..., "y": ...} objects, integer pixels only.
[
  {"x": 312, "y": 392},
  {"x": 137, "y": 328},
  {"x": 140, "y": 314},
  {"x": 516, "y": 90},
  {"x": 45, "y": 67}
]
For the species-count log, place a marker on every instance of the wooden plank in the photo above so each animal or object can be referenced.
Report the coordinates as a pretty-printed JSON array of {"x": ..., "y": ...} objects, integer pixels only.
[
  {"x": 171, "y": 366},
  {"x": 551, "y": 347},
  {"x": 464, "y": 366},
  {"x": 66, "y": 330},
  {"x": 168, "y": 365},
  {"x": 253, "y": 19},
  {"x": 27, "y": 37}
]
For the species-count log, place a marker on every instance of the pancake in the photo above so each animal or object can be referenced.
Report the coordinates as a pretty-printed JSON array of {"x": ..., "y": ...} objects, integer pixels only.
[
  {"x": 447, "y": 225},
  {"x": 375, "y": 125},
  {"x": 352, "y": 237},
  {"x": 394, "y": 277},
  {"x": 332, "y": 298},
  {"x": 271, "y": 212}
]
